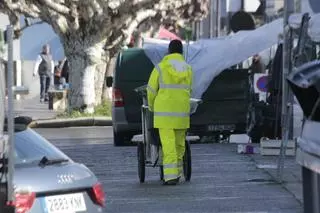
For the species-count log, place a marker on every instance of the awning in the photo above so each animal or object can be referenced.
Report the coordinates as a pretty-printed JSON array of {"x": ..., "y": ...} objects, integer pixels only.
[{"x": 166, "y": 34}]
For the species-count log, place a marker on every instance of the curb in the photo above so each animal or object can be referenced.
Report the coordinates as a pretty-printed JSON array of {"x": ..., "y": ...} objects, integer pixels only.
[{"x": 71, "y": 122}]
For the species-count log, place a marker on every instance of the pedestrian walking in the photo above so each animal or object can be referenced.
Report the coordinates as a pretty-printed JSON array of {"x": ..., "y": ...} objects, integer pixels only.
[
  {"x": 169, "y": 92},
  {"x": 44, "y": 67}
]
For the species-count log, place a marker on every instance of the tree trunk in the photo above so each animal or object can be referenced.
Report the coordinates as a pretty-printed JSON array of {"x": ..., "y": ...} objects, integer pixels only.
[
  {"x": 84, "y": 56},
  {"x": 99, "y": 82}
]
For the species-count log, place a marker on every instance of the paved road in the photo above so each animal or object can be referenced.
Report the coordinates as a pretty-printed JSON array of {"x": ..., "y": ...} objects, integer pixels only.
[{"x": 223, "y": 181}]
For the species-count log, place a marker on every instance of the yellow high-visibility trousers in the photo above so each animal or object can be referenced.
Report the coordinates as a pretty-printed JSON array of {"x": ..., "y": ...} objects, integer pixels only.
[{"x": 173, "y": 148}]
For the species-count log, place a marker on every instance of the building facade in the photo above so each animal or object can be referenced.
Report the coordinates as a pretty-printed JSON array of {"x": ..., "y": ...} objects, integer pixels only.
[{"x": 217, "y": 22}]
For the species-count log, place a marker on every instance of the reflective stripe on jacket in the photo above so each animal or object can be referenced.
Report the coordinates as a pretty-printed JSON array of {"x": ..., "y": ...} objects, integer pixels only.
[{"x": 169, "y": 90}]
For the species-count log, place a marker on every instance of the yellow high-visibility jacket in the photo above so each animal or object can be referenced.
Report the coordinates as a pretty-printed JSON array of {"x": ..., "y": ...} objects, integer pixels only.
[{"x": 169, "y": 91}]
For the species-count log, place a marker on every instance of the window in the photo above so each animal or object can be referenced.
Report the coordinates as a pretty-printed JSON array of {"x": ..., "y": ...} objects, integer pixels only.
[{"x": 30, "y": 147}]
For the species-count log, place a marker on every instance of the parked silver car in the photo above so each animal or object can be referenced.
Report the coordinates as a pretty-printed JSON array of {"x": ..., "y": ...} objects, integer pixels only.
[{"x": 48, "y": 181}]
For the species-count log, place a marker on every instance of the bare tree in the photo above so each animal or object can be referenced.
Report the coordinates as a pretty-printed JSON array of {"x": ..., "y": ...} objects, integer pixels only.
[{"x": 92, "y": 31}]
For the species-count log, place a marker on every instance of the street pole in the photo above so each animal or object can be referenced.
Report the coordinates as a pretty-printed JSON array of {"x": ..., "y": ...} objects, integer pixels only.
[
  {"x": 286, "y": 107},
  {"x": 10, "y": 117},
  {"x": 201, "y": 29},
  {"x": 211, "y": 18},
  {"x": 2, "y": 98},
  {"x": 218, "y": 14},
  {"x": 3, "y": 188}
]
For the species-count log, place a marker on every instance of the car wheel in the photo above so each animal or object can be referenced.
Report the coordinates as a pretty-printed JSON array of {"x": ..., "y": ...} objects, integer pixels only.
[
  {"x": 187, "y": 169},
  {"x": 118, "y": 139},
  {"x": 161, "y": 172},
  {"x": 122, "y": 139}
]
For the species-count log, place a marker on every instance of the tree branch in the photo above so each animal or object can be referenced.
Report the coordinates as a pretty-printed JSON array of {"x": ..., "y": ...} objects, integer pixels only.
[
  {"x": 18, "y": 32},
  {"x": 140, "y": 17},
  {"x": 29, "y": 25},
  {"x": 97, "y": 7},
  {"x": 20, "y": 8},
  {"x": 59, "y": 8}
]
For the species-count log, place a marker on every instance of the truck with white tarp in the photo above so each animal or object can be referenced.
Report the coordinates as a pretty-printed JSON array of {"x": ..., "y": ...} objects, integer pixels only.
[{"x": 228, "y": 94}]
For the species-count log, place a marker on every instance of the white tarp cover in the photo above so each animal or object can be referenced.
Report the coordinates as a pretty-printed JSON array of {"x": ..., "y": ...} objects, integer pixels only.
[
  {"x": 209, "y": 58},
  {"x": 314, "y": 25}
]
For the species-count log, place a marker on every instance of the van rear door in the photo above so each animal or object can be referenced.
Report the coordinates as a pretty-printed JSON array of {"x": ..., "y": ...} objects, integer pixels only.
[{"x": 132, "y": 70}]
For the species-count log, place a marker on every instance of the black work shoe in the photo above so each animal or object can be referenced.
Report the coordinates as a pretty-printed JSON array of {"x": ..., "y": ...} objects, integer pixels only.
[{"x": 171, "y": 182}]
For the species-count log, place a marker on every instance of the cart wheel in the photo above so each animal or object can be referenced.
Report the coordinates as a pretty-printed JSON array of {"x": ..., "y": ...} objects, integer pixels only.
[
  {"x": 141, "y": 162},
  {"x": 187, "y": 162},
  {"x": 161, "y": 172}
]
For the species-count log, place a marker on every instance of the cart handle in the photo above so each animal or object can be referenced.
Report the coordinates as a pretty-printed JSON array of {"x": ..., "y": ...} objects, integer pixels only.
[
  {"x": 196, "y": 100},
  {"x": 141, "y": 89}
]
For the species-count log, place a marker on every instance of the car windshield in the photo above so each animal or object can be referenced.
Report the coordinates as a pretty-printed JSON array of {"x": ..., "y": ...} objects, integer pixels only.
[{"x": 31, "y": 147}]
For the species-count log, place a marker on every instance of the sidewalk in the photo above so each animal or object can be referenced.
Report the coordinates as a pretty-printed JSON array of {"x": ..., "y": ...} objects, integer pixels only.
[
  {"x": 292, "y": 178},
  {"x": 266, "y": 166},
  {"x": 34, "y": 109},
  {"x": 44, "y": 118}
]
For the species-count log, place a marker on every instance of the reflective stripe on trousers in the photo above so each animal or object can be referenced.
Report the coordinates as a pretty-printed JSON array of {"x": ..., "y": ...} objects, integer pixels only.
[
  {"x": 172, "y": 114},
  {"x": 171, "y": 168},
  {"x": 170, "y": 177},
  {"x": 173, "y": 146}
]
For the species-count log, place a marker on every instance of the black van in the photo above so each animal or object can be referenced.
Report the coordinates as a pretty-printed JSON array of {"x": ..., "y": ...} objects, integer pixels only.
[
  {"x": 132, "y": 70},
  {"x": 226, "y": 109}
]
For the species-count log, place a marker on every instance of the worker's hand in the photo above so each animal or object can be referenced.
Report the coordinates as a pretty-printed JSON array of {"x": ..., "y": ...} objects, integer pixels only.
[{"x": 34, "y": 75}]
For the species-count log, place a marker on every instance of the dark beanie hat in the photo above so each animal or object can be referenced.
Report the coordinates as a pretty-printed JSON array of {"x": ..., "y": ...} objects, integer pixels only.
[{"x": 175, "y": 46}]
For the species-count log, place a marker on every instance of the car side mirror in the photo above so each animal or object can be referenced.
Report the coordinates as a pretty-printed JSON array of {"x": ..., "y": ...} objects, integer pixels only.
[{"x": 109, "y": 81}]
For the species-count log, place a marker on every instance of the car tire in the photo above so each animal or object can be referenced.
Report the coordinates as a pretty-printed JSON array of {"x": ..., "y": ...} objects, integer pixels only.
[
  {"x": 118, "y": 139},
  {"x": 187, "y": 164},
  {"x": 161, "y": 172}
]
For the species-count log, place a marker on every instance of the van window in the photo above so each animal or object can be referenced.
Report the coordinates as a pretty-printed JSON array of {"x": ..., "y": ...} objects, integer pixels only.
[{"x": 133, "y": 65}]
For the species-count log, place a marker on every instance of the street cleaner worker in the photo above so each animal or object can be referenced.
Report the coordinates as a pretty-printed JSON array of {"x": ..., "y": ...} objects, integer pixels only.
[{"x": 169, "y": 91}]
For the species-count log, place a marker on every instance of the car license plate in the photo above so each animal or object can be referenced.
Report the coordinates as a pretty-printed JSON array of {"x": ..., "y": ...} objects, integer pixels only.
[
  {"x": 214, "y": 128},
  {"x": 70, "y": 203}
]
